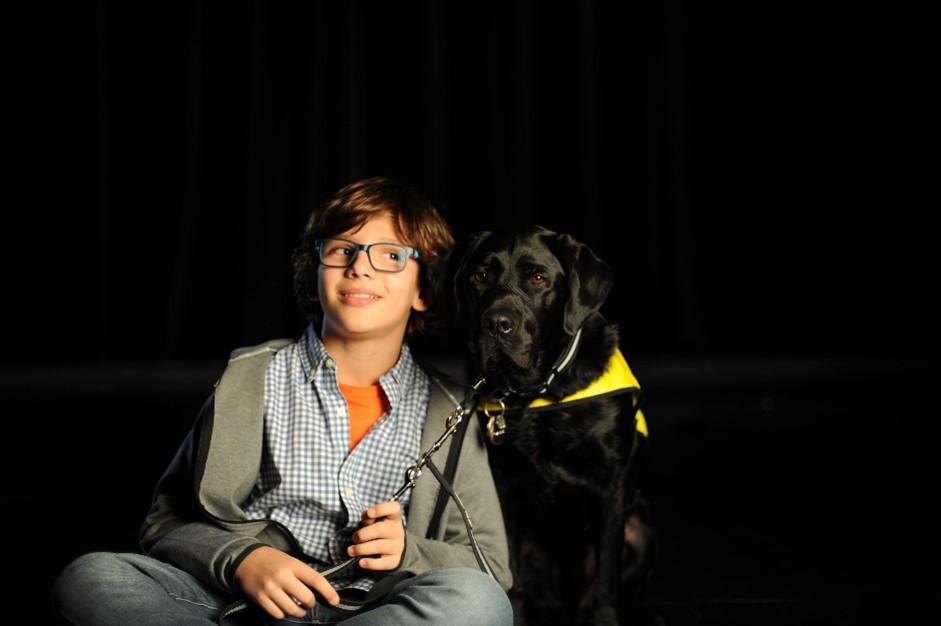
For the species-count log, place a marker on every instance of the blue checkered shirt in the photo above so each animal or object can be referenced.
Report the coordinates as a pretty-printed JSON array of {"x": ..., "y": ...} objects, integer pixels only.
[{"x": 310, "y": 481}]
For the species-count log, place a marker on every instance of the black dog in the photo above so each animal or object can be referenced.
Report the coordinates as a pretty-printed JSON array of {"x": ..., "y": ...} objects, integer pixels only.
[{"x": 581, "y": 540}]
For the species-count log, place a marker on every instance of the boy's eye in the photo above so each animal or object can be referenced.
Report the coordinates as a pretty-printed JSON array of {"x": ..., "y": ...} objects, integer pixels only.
[{"x": 338, "y": 249}]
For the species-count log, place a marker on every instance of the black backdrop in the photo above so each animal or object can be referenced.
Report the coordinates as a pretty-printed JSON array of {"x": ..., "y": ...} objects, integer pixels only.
[{"x": 762, "y": 177}]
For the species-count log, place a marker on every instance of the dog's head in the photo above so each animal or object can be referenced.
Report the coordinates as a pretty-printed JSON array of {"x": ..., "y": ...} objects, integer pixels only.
[{"x": 522, "y": 294}]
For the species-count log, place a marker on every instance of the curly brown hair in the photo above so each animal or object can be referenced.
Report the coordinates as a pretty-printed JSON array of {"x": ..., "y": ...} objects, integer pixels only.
[{"x": 417, "y": 222}]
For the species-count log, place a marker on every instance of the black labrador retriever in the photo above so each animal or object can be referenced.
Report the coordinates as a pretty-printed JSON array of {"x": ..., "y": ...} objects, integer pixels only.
[{"x": 560, "y": 407}]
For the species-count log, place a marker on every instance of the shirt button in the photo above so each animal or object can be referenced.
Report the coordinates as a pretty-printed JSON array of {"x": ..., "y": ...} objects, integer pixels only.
[{"x": 330, "y": 363}]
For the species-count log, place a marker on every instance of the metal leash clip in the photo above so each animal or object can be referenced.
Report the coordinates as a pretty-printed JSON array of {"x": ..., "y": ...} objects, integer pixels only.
[
  {"x": 451, "y": 423},
  {"x": 496, "y": 423}
]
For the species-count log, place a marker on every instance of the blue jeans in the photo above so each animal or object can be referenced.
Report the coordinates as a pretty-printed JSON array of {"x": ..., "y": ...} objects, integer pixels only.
[{"x": 104, "y": 588}]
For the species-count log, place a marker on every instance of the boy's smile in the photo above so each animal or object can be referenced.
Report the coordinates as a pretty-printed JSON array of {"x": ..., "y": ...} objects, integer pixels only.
[
  {"x": 360, "y": 302},
  {"x": 358, "y": 298}
]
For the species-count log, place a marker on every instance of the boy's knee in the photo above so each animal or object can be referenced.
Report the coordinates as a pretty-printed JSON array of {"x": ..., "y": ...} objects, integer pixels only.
[
  {"x": 482, "y": 595},
  {"x": 86, "y": 567},
  {"x": 70, "y": 586}
]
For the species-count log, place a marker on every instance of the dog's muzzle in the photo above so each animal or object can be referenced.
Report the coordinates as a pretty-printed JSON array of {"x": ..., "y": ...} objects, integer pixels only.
[{"x": 506, "y": 333}]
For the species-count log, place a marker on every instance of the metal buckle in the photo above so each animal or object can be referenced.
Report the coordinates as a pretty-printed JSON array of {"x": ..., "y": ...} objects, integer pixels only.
[{"x": 496, "y": 424}]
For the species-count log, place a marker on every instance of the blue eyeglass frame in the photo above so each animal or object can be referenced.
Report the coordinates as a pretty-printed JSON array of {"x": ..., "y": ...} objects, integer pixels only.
[{"x": 413, "y": 253}]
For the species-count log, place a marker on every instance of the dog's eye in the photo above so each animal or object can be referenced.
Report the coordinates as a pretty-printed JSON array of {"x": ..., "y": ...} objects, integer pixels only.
[
  {"x": 479, "y": 277},
  {"x": 537, "y": 279}
]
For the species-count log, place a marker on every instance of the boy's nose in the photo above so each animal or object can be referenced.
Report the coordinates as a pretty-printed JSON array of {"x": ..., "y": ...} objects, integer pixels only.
[{"x": 361, "y": 263}]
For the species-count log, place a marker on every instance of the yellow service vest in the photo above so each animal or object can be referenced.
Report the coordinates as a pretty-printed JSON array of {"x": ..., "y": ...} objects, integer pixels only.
[{"x": 617, "y": 377}]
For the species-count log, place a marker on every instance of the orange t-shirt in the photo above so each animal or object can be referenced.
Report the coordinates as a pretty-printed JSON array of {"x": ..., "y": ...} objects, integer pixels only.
[{"x": 367, "y": 404}]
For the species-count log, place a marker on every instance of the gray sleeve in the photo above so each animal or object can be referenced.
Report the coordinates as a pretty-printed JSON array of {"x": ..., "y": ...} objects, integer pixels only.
[
  {"x": 195, "y": 520},
  {"x": 177, "y": 531},
  {"x": 474, "y": 485}
]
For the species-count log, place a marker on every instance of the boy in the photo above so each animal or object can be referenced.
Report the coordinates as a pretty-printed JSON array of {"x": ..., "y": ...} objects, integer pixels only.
[{"x": 291, "y": 466}]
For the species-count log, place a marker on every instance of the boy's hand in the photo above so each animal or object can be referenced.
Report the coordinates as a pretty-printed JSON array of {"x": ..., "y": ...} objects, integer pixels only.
[
  {"x": 281, "y": 584},
  {"x": 381, "y": 540}
]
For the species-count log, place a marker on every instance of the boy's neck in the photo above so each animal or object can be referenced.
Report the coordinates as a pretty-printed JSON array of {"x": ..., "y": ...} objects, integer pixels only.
[{"x": 362, "y": 362}]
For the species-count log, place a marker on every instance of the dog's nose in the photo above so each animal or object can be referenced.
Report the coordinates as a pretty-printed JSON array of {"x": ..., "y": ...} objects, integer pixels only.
[{"x": 498, "y": 323}]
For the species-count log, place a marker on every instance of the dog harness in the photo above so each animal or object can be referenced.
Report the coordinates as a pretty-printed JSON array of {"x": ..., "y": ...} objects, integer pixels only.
[{"x": 617, "y": 378}]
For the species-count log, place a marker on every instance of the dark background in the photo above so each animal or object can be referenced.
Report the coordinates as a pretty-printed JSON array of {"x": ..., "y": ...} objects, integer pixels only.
[{"x": 762, "y": 177}]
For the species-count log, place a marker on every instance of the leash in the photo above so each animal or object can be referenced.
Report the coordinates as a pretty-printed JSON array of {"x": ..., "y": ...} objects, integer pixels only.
[{"x": 413, "y": 472}]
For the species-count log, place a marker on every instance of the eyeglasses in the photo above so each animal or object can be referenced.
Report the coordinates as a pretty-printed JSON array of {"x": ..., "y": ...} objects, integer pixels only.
[{"x": 388, "y": 257}]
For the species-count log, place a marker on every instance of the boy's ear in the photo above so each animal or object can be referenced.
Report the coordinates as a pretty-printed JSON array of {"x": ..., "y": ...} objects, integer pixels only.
[{"x": 421, "y": 302}]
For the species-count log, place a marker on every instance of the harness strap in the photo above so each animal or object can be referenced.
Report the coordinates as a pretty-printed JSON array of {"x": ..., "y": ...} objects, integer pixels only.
[
  {"x": 446, "y": 487},
  {"x": 450, "y": 467},
  {"x": 564, "y": 359}
]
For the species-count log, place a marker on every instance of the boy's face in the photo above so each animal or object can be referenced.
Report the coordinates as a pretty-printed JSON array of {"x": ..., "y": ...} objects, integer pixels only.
[{"x": 360, "y": 302}]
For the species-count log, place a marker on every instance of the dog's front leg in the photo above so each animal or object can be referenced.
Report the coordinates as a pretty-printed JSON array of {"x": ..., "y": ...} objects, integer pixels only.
[{"x": 610, "y": 548}]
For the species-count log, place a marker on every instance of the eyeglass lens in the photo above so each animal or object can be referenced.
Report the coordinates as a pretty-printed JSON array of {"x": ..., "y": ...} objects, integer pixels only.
[{"x": 385, "y": 257}]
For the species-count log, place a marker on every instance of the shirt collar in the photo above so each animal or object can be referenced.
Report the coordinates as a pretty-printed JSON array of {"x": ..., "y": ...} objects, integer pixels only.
[{"x": 314, "y": 357}]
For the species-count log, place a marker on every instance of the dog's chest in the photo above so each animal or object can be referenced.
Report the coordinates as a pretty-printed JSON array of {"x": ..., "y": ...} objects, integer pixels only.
[{"x": 544, "y": 449}]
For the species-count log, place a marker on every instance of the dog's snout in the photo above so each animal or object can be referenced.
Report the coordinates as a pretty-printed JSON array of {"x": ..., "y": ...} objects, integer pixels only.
[{"x": 498, "y": 323}]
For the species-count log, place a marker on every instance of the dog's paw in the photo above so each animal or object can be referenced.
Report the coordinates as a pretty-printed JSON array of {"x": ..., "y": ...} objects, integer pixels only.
[
  {"x": 605, "y": 616},
  {"x": 641, "y": 547}
]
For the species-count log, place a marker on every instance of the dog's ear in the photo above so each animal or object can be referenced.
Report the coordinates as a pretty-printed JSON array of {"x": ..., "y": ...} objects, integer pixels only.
[
  {"x": 448, "y": 277},
  {"x": 438, "y": 279},
  {"x": 589, "y": 280}
]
